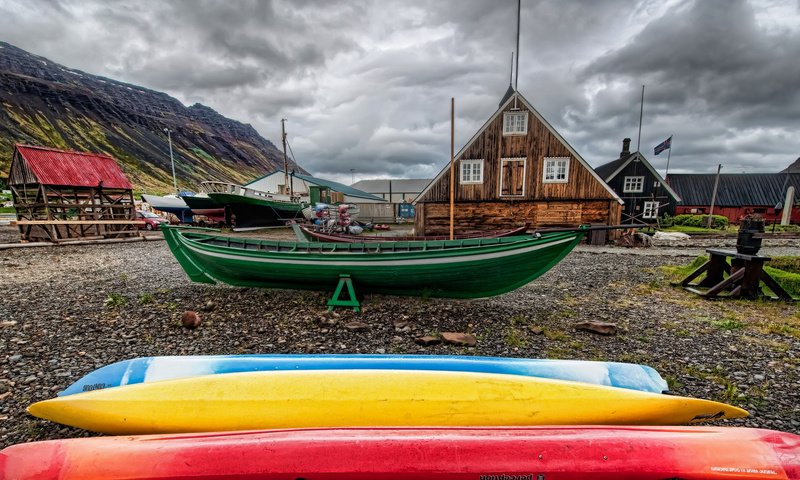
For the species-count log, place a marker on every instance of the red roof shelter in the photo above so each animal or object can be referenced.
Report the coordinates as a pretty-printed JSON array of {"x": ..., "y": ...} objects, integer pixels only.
[{"x": 61, "y": 195}]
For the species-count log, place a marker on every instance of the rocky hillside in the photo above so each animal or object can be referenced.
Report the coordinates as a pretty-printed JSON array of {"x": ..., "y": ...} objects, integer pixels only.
[{"x": 44, "y": 103}]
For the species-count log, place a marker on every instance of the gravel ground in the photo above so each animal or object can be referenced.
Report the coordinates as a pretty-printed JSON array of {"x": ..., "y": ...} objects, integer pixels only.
[{"x": 67, "y": 310}]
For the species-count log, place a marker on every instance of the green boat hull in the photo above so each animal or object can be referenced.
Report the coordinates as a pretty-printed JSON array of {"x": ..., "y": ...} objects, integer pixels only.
[
  {"x": 251, "y": 212},
  {"x": 471, "y": 268}
]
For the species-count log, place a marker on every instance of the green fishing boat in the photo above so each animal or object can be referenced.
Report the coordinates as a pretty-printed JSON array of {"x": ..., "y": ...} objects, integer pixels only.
[{"x": 469, "y": 268}]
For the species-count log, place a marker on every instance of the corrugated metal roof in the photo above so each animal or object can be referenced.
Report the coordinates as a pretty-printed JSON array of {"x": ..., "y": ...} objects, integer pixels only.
[
  {"x": 403, "y": 185},
  {"x": 65, "y": 168},
  {"x": 735, "y": 189},
  {"x": 338, "y": 187}
]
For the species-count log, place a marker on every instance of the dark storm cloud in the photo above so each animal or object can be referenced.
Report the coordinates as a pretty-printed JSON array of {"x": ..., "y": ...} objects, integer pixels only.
[{"x": 366, "y": 85}]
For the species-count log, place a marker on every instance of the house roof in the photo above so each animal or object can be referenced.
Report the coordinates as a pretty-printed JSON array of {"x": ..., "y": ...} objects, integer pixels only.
[
  {"x": 539, "y": 116},
  {"x": 614, "y": 167},
  {"x": 404, "y": 185},
  {"x": 735, "y": 189},
  {"x": 335, "y": 186},
  {"x": 793, "y": 168},
  {"x": 68, "y": 168}
]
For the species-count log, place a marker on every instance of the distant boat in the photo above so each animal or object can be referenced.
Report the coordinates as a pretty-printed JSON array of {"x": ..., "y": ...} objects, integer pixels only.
[
  {"x": 306, "y": 234},
  {"x": 470, "y": 268},
  {"x": 253, "y": 208},
  {"x": 170, "y": 204},
  {"x": 202, "y": 204}
]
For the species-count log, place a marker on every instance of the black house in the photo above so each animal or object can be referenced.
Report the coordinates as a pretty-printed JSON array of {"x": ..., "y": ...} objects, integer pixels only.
[{"x": 644, "y": 191}]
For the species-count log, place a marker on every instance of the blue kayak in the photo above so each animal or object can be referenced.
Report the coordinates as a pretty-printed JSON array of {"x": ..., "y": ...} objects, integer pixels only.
[{"x": 153, "y": 369}]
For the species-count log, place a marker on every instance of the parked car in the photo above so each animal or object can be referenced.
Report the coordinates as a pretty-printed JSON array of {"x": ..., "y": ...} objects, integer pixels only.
[{"x": 150, "y": 219}]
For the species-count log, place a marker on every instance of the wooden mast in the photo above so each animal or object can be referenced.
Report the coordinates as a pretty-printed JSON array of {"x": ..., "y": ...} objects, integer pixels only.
[
  {"x": 452, "y": 163},
  {"x": 285, "y": 161}
]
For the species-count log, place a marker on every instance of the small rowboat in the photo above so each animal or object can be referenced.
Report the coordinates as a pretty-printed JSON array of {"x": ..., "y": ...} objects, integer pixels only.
[
  {"x": 375, "y": 398},
  {"x": 470, "y": 268},
  {"x": 153, "y": 369},
  {"x": 551, "y": 453},
  {"x": 306, "y": 234}
]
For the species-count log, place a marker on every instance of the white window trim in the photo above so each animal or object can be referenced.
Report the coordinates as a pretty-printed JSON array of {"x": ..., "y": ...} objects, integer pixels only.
[
  {"x": 544, "y": 170},
  {"x": 525, "y": 126},
  {"x": 524, "y": 174},
  {"x": 470, "y": 161},
  {"x": 625, "y": 188},
  {"x": 653, "y": 210}
]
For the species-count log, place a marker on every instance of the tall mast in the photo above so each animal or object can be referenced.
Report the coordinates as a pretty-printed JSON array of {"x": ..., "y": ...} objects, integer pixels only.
[
  {"x": 641, "y": 113},
  {"x": 285, "y": 161},
  {"x": 516, "y": 69},
  {"x": 452, "y": 164}
]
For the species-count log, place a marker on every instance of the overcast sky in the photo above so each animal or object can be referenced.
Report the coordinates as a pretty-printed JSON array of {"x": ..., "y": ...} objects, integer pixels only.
[{"x": 366, "y": 85}]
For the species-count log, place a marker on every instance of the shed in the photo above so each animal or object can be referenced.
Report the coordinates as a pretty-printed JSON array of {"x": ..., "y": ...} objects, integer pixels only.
[
  {"x": 645, "y": 192},
  {"x": 516, "y": 170},
  {"x": 738, "y": 194},
  {"x": 62, "y": 195}
]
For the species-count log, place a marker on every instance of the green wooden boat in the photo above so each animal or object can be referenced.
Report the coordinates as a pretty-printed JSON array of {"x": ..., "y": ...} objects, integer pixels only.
[{"x": 469, "y": 268}]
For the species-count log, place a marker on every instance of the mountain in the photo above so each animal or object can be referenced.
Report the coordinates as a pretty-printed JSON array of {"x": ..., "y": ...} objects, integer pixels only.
[{"x": 46, "y": 104}]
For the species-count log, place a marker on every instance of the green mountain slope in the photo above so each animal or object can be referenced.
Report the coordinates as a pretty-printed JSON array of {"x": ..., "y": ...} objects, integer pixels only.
[{"x": 43, "y": 103}]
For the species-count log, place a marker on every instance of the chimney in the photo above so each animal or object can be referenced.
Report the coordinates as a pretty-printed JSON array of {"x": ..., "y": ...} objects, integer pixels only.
[{"x": 626, "y": 148}]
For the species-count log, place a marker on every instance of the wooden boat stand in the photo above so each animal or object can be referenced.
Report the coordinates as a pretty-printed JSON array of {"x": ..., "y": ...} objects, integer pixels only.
[
  {"x": 745, "y": 274},
  {"x": 337, "y": 301}
]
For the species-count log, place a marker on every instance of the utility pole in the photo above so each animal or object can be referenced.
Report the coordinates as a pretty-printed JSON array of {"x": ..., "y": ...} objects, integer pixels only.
[
  {"x": 285, "y": 160},
  {"x": 172, "y": 160},
  {"x": 714, "y": 197}
]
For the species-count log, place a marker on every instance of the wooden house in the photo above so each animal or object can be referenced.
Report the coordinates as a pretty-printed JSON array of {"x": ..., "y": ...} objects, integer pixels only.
[
  {"x": 738, "y": 194},
  {"x": 644, "y": 191},
  {"x": 63, "y": 195},
  {"x": 516, "y": 169}
]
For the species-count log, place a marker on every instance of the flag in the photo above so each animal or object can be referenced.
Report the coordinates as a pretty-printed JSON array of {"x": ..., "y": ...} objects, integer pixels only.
[{"x": 663, "y": 146}]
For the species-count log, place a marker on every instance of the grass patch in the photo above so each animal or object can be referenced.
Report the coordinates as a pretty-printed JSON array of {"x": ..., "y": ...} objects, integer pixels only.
[
  {"x": 515, "y": 339},
  {"x": 115, "y": 300},
  {"x": 8, "y": 210},
  {"x": 556, "y": 335},
  {"x": 145, "y": 299},
  {"x": 728, "y": 324}
]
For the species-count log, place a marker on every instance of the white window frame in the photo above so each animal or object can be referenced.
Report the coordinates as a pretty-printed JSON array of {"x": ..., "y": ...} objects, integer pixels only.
[
  {"x": 514, "y": 130},
  {"x": 524, "y": 174},
  {"x": 650, "y": 210},
  {"x": 472, "y": 163},
  {"x": 555, "y": 160},
  {"x": 633, "y": 185}
]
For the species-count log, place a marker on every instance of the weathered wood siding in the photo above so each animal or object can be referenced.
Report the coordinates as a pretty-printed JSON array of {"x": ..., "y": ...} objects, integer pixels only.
[
  {"x": 434, "y": 218},
  {"x": 634, "y": 201},
  {"x": 538, "y": 144}
]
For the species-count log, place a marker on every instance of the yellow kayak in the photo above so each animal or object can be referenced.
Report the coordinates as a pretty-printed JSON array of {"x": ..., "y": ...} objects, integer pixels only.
[{"x": 345, "y": 398}]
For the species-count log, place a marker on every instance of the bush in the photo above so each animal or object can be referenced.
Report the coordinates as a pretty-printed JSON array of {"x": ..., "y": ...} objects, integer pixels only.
[{"x": 717, "y": 221}]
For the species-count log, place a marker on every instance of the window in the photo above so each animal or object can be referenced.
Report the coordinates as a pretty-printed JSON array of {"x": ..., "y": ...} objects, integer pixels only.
[
  {"x": 515, "y": 123},
  {"x": 471, "y": 171},
  {"x": 650, "y": 210},
  {"x": 633, "y": 185},
  {"x": 556, "y": 170}
]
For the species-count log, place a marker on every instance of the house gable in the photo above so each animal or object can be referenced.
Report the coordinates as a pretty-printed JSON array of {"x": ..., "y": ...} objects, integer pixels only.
[
  {"x": 493, "y": 144},
  {"x": 635, "y": 164}
]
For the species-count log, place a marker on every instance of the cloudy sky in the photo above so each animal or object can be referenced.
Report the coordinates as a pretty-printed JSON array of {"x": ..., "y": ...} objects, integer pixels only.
[{"x": 366, "y": 85}]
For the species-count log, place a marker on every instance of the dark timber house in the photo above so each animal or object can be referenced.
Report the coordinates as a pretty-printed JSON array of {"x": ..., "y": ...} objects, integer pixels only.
[
  {"x": 516, "y": 170},
  {"x": 644, "y": 191},
  {"x": 62, "y": 195}
]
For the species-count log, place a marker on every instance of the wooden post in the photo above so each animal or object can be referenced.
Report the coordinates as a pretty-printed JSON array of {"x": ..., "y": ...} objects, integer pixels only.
[
  {"x": 452, "y": 163},
  {"x": 788, "y": 203},
  {"x": 714, "y": 198}
]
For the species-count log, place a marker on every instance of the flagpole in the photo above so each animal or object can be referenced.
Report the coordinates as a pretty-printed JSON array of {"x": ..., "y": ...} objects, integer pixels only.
[
  {"x": 452, "y": 163},
  {"x": 641, "y": 113},
  {"x": 666, "y": 171}
]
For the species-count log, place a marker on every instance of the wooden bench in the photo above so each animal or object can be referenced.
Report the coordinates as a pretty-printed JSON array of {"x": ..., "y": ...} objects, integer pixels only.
[{"x": 745, "y": 274}]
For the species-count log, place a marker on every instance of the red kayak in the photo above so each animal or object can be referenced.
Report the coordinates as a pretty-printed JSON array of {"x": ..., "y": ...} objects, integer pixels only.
[{"x": 549, "y": 453}]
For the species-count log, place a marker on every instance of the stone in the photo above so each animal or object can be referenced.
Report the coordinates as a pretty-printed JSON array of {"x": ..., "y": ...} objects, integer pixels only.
[
  {"x": 357, "y": 326},
  {"x": 759, "y": 378},
  {"x": 601, "y": 328},
  {"x": 15, "y": 358},
  {"x": 190, "y": 319},
  {"x": 8, "y": 323},
  {"x": 458, "y": 338},
  {"x": 428, "y": 340},
  {"x": 536, "y": 330},
  {"x": 209, "y": 306}
]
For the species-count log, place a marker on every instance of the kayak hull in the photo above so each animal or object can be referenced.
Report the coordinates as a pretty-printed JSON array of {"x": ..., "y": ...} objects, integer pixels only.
[
  {"x": 552, "y": 453},
  {"x": 344, "y": 398},
  {"x": 150, "y": 369}
]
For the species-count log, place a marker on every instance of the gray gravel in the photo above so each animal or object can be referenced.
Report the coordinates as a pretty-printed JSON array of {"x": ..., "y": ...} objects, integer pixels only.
[{"x": 68, "y": 310}]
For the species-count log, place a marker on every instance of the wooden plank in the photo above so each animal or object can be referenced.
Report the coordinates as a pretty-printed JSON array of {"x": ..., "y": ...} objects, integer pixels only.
[{"x": 77, "y": 222}]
